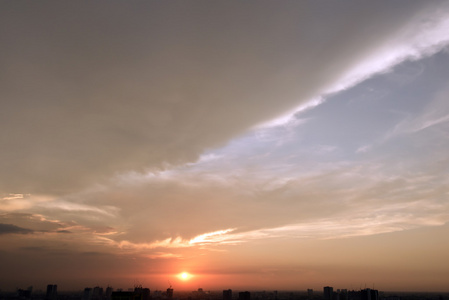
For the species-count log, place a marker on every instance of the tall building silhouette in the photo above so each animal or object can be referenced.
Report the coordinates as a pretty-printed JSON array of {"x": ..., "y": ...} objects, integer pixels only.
[
  {"x": 87, "y": 294},
  {"x": 108, "y": 293},
  {"x": 24, "y": 294},
  {"x": 343, "y": 294},
  {"x": 143, "y": 292},
  {"x": 369, "y": 294},
  {"x": 52, "y": 292},
  {"x": 244, "y": 295},
  {"x": 328, "y": 292},
  {"x": 170, "y": 293},
  {"x": 354, "y": 295},
  {"x": 227, "y": 294},
  {"x": 97, "y": 293},
  {"x": 146, "y": 294},
  {"x": 139, "y": 293}
]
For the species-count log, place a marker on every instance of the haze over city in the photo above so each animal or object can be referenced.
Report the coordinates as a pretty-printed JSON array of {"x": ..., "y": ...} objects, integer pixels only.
[{"x": 255, "y": 145}]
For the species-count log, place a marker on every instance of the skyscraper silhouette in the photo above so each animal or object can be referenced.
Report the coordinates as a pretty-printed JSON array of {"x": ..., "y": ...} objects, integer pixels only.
[
  {"x": 328, "y": 292},
  {"x": 244, "y": 295},
  {"x": 369, "y": 294},
  {"x": 52, "y": 293},
  {"x": 227, "y": 294},
  {"x": 170, "y": 293}
]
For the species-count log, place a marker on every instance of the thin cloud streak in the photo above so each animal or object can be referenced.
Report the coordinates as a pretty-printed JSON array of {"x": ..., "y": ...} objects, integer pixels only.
[
  {"x": 178, "y": 242},
  {"x": 435, "y": 113},
  {"x": 386, "y": 219},
  {"x": 110, "y": 211}
]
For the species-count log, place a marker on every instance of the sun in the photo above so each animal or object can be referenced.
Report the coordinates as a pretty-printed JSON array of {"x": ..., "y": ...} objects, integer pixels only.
[{"x": 184, "y": 276}]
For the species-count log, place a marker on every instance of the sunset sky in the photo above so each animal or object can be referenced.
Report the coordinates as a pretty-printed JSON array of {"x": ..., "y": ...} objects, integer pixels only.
[{"x": 253, "y": 144}]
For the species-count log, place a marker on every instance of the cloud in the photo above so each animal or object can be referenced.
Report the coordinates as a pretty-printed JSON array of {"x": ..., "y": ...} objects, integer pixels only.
[
  {"x": 385, "y": 218},
  {"x": 423, "y": 126},
  {"x": 423, "y": 36},
  {"x": 12, "y": 229},
  {"x": 436, "y": 113},
  {"x": 211, "y": 237},
  {"x": 49, "y": 229},
  {"x": 17, "y": 202},
  {"x": 159, "y": 88},
  {"x": 357, "y": 199},
  {"x": 78, "y": 207},
  {"x": 163, "y": 255},
  {"x": 216, "y": 237}
]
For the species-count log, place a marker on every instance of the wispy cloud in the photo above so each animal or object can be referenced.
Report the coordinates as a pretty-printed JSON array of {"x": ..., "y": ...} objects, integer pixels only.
[
  {"x": 211, "y": 237},
  {"x": 164, "y": 255},
  {"x": 434, "y": 114},
  {"x": 215, "y": 237},
  {"x": 384, "y": 219},
  {"x": 110, "y": 211},
  {"x": 18, "y": 202}
]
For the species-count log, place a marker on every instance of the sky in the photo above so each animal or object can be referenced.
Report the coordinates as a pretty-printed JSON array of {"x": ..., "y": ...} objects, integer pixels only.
[{"x": 253, "y": 144}]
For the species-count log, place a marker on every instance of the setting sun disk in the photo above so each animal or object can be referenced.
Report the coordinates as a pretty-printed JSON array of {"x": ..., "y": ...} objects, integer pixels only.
[{"x": 184, "y": 276}]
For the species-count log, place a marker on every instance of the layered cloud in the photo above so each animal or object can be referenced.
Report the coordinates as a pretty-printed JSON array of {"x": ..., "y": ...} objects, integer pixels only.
[{"x": 86, "y": 97}]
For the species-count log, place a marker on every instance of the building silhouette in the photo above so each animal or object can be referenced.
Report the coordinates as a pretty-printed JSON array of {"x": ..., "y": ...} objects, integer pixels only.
[
  {"x": 369, "y": 294},
  {"x": 144, "y": 292},
  {"x": 343, "y": 294},
  {"x": 122, "y": 295},
  {"x": 97, "y": 293},
  {"x": 354, "y": 295},
  {"x": 227, "y": 294},
  {"x": 108, "y": 293},
  {"x": 87, "y": 294},
  {"x": 328, "y": 293},
  {"x": 24, "y": 294},
  {"x": 170, "y": 293},
  {"x": 139, "y": 293},
  {"x": 52, "y": 292},
  {"x": 244, "y": 295}
]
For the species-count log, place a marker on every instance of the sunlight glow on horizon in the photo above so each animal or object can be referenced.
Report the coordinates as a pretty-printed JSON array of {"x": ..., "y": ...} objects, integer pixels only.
[{"x": 184, "y": 276}]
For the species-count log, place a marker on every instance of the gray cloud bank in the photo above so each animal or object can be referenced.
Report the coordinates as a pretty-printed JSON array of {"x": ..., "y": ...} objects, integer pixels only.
[
  {"x": 89, "y": 90},
  {"x": 12, "y": 229}
]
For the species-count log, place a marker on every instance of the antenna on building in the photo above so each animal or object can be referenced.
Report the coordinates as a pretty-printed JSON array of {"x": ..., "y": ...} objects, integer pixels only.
[{"x": 169, "y": 284}]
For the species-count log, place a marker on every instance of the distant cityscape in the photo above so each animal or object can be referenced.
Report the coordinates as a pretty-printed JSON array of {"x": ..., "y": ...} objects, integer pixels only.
[{"x": 142, "y": 293}]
